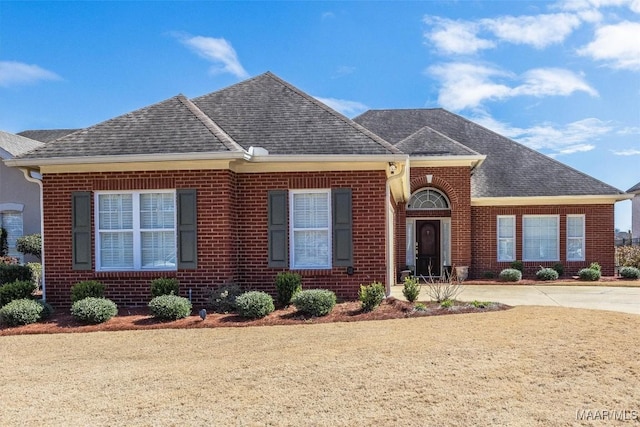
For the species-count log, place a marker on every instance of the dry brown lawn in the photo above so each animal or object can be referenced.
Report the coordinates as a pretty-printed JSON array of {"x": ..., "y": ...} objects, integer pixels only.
[{"x": 526, "y": 366}]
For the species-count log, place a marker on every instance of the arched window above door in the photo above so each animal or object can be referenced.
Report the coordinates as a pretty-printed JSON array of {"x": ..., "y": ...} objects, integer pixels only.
[{"x": 428, "y": 198}]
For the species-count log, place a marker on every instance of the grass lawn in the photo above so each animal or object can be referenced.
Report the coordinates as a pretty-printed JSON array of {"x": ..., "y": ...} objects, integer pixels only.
[{"x": 526, "y": 366}]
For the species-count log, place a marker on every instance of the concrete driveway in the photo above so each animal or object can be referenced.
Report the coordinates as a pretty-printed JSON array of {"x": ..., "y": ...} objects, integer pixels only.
[{"x": 623, "y": 299}]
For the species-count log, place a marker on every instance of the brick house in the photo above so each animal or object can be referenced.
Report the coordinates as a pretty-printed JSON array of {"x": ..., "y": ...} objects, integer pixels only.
[{"x": 240, "y": 184}]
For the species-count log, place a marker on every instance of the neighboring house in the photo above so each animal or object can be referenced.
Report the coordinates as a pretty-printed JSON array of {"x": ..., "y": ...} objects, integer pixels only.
[
  {"x": 19, "y": 193},
  {"x": 635, "y": 211},
  {"x": 258, "y": 178}
]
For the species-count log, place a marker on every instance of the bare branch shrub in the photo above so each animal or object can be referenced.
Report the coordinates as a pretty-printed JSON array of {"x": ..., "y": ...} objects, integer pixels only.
[{"x": 445, "y": 287}]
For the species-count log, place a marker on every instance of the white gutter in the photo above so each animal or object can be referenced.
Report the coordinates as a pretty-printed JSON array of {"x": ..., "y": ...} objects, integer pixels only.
[
  {"x": 295, "y": 158},
  {"x": 28, "y": 177}
]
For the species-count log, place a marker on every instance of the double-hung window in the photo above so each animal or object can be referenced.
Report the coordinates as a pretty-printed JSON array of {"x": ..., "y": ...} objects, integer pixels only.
[
  {"x": 540, "y": 238},
  {"x": 310, "y": 236},
  {"x": 11, "y": 221},
  {"x": 506, "y": 227},
  {"x": 575, "y": 238},
  {"x": 136, "y": 230}
]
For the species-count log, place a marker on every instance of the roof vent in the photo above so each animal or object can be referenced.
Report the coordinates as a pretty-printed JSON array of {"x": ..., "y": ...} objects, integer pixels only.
[{"x": 258, "y": 151}]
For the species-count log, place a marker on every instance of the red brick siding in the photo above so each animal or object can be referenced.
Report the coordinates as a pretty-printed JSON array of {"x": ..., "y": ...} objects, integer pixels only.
[
  {"x": 232, "y": 231},
  {"x": 599, "y": 232}
]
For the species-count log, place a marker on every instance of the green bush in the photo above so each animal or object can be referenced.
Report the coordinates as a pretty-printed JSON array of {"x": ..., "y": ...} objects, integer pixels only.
[
  {"x": 11, "y": 272},
  {"x": 314, "y": 302},
  {"x": 287, "y": 285},
  {"x": 47, "y": 309},
  {"x": 489, "y": 275},
  {"x": 4, "y": 243},
  {"x": 94, "y": 310},
  {"x": 630, "y": 273},
  {"x": 30, "y": 244},
  {"x": 547, "y": 274},
  {"x": 371, "y": 296},
  {"x": 36, "y": 273},
  {"x": 510, "y": 275},
  {"x": 517, "y": 265},
  {"x": 446, "y": 303},
  {"x": 20, "y": 289},
  {"x": 170, "y": 307},
  {"x": 21, "y": 312},
  {"x": 411, "y": 288},
  {"x": 164, "y": 286},
  {"x": 85, "y": 289},
  {"x": 595, "y": 266},
  {"x": 559, "y": 268},
  {"x": 589, "y": 274},
  {"x": 480, "y": 304},
  {"x": 223, "y": 298},
  {"x": 628, "y": 256},
  {"x": 254, "y": 304}
]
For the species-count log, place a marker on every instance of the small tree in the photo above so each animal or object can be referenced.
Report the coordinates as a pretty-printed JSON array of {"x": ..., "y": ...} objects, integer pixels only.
[
  {"x": 4, "y": 244},
  {"x": 446, "y": 287},
  {"x": 30, "y": 244}
]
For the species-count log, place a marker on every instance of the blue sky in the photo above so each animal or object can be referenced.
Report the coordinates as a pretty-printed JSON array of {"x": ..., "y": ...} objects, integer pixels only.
[{"x": 562, "y": 77}]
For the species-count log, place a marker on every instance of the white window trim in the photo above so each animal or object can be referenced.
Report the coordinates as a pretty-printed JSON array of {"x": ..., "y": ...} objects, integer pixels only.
[
  {"x": 583, "y": 238},
  {"x": 292, "y": 263},
  {"x": 137, "y": 251},
  {"x": 557, "y": 256},
  {"x": 498, "y": 238}
]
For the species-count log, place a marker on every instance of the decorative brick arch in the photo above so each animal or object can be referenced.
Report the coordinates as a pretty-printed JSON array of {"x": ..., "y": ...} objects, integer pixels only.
[{"x": 438, "y": 183}]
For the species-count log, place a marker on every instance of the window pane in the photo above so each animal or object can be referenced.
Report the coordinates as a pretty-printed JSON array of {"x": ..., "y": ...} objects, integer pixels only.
[
  {"x": 506, "y": 227},
  {"x": 311, "y": 249},
  {"x": 157, "y": 210},
  {"x": 506, "y": 250},
  {"x": 429, "y": 198},
  {"x": 540, "y": 239},
  {"x": 311, "y": 210},
  {"x": 158, "y": 249},
  {"x": 115, "y": 211},
  {"x": 574, "y": 250},
  {"x": 575, "y": 238},
  {"x": 116, "y": 250},
  {"x": 575, "y": 226},
  {"x": 12, "y": 222},
  {"x": 506, "y": 238}
]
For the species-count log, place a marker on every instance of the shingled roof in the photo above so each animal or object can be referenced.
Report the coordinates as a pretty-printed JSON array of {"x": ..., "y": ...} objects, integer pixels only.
[
  {"x": 46, "y": 135},
  {"x": 510, "y": 169},
  {"x": 428, "y": 142},
  {"x": 634, "y": 189},
  {"x": 16, "y": 145}
]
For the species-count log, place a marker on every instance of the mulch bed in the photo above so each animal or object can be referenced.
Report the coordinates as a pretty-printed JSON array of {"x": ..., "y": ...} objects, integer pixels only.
[{"x": 138, "y": 318}]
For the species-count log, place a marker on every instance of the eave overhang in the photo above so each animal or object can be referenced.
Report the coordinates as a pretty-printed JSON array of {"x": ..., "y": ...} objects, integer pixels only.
[{"x": 550, "y": 200}]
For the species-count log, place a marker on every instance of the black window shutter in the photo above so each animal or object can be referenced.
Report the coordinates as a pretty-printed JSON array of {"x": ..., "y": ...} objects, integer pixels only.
[
  {"x": 342, "y": 227},
  {"x": 81, "y": 230},
  {"x": 278, "y": 229},
  {"x": 187, "y": 229}
]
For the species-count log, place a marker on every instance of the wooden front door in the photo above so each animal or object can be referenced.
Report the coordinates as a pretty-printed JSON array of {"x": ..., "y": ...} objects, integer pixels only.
[{"x": 428, "y": 247}]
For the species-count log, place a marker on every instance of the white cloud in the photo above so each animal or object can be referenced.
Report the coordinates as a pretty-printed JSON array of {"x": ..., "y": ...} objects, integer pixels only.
[
  {"x": 617, "y": 45},
  {"x": 538, "y": 31},
  {"x": 14, "y": 73},
  {"x": 594, "y": 5},
  {"x": 347, "y": 108},
  {"x": 551, "y": 138},
  {"x": 219, "y": 51},
  {"x": 467, "y": 85},
  {"x": 628, "y": 152},
  {"x": 456, "y": 37}
]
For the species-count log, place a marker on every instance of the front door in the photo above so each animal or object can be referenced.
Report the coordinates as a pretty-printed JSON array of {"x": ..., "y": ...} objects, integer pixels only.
[{"x": 428, "y": 247}]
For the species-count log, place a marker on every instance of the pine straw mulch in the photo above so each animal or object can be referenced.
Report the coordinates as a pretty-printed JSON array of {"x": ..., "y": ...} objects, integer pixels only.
[{"x": 139, "y": 318}]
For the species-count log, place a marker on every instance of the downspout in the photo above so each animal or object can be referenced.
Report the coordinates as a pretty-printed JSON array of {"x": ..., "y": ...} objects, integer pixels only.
[
  {"x": 390, "y": 279},
  {"x": 28, "y": 177}
]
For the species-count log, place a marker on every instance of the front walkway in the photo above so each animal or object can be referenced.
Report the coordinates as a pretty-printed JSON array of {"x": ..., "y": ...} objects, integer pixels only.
[{"x": 626, "y": 300}]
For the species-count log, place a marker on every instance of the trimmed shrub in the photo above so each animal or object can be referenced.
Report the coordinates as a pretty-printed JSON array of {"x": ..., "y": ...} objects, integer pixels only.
[
  {"x": 314, "y": 302},
  {"x": 371, "y": 296},
  {"x": 287, "y": 285},
  {"x": 559, "y": 268},
  {"x": 510, "y": 275},
  {"x": 94, "y": 310},
  {"x": 11, "y": 272},
  {"x": 4, "y": 244},
  {"x": 488, "y": 275},
  {"x": 21, "y": 312},
  {"x": 20, "y": 289},
  {"x": 628, "y": 256},
  {"x": 85, "y": 289},
  {"x": 36, "y": 273},
  {"x": 411, "y": 288},
  {"x": 595, "y": 266},
  {"x": 223, "y": 298},
  {"x": 170, "y": 307},
  {"x": 164, "y": 286},
  {"x": 547, "y": 274},
  {"x": 446, "y": 303},
  {"x": 254, "y": 304},
  {"x": 631, "y": 273},
  {"x": 47, "y": 309},
  {"x": 589, "y": 274},
  {"x": 517, "y": 265},
  {"x": 30, "y": 244}
]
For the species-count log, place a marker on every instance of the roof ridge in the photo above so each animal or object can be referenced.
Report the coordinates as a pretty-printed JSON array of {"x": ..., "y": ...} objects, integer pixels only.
[
  {"x": 377, "y": 139},
  {"x": 212, "y": 126},
  {"x": 441, "y": 134}
]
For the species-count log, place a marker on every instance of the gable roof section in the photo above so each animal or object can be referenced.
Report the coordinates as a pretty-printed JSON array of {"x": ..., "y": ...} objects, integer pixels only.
[
  {"x": 428, "y": 142},
  {"x": 634, "y": 189},
  {"x": 15, "y": 145},
  {"x": 169, "y": 127},
  {"x": 46, "y": 135},
  {"x": 268, "y": 112},
  {"x": 510, "y": 169}
]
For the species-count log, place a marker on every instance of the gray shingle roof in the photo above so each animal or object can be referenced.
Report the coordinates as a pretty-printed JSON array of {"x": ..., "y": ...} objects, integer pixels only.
[
  {"x": 634, "y": 189},
  {"x": 267, "y": 112},
  {"x": 428, "y": 142},
  {"x": 16, "y": 145},
  {"x": 167, "y": 127},
  {"x": 510, "y": 169},
  {"x": 46, "y": 135}
]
